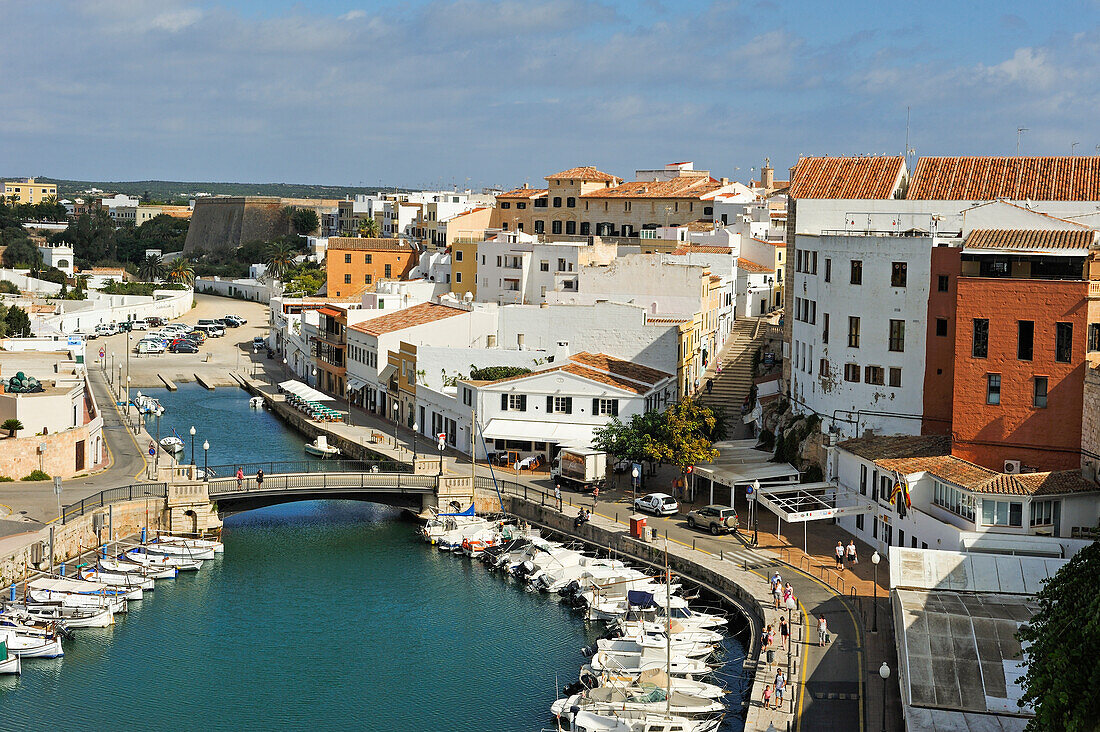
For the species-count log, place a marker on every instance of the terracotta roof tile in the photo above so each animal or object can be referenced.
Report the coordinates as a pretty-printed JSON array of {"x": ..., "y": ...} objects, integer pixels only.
[
  {"x": 773, "y": 242},
  {"x": 524, "y": 193},
  {"x": 366, "y": 243},
  {"x": 628, "y": 369},
  {"x": 877, "y": 448},
  {"x": 701, "y": 249},
  {"x": 407, "y": 318},
  {"x": 951, "y": 469},
  {"x": 586, "y": 173},
  {"x": 603, "y": 369},
  {"x": 1026, "y": 239},
  {"x": 983, "y": 179},
  {"x": 846, "y": 178},
  {"x": 750, "y": 266},
  {"x": 667, "y": 321},
  {"x": 684, "y": 186}
]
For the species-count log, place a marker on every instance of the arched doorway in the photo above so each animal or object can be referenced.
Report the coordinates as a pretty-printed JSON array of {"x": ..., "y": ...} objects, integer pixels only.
[{"x": 192, "y": 523}]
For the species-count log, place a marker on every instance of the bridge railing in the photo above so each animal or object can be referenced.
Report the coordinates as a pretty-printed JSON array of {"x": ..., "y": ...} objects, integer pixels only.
[
  {"x": 399, "y": 482},
  {"x": 113, "y": 495},
  {"x": 229, "y": 470}
]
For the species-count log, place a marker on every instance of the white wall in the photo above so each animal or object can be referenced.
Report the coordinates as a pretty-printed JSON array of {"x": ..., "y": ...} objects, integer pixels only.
[
  {"x": 662, "y": 288},
  {"x": 165, "y": 304},
  {"x": 246, "y": 289},
  {"x": 26, "y": 283}
]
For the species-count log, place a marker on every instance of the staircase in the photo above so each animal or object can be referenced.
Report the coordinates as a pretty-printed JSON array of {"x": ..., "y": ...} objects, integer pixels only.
[{"x": 729, "y": 389}]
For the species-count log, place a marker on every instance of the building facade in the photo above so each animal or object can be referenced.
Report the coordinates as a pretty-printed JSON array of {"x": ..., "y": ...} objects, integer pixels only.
[
  {"x": 356, "y": 264},
  {"x": 27, "y": 191}
]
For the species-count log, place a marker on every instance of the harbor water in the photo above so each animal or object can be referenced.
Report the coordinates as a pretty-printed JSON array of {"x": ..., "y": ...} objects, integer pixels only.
[{"x": 324, "y": 614}]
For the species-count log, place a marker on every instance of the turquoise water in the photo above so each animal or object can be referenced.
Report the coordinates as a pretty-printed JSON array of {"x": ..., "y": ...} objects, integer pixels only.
[{"x": 327, "y": 615}]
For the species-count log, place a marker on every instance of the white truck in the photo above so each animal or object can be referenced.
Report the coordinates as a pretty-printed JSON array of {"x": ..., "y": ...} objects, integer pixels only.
[{"x": 584, "y": 469}]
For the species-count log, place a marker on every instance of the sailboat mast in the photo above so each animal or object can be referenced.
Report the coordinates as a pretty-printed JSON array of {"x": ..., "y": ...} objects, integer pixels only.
[{"x": 668, "y": 634}]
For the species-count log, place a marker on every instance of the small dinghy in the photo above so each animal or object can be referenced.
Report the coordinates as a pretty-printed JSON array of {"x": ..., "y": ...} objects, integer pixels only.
[
  {"x": 190, "y": 541},
  {"x": 171, "y": 549},
  {"x": 30, "y": 646},
  {"x": 78, "y": 593},
  {"x": 118, "y": 566},
  {"x": 9, "y": 662},
  {"x": 256, "y": 402},
  {"x": 320, "y": 448},
  {"x": 172, "y": 445},
  {"x": 72, "y": 617},
  {"x": 140, "y": 557},
  {"x": 117, "y": 579}
]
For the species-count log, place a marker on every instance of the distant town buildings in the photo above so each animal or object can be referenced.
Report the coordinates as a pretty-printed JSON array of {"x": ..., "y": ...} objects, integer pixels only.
[{"x": 27, "y": 191}]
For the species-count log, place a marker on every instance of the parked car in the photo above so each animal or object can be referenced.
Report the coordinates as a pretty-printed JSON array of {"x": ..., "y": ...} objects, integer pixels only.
[
  {"x": 155, "y": 322},
  {"x": 146, "y": 345},
  {"x": 259, "y": 342},
  {"x": 227, "y": 322},
  {"x": 716, "y": 519},
  {"x": 197, "y": 335},
  {"x": 183, "y": 345},
  {"x": 139, "y": 325},
  {"x": 659, "y": 504},
  {"x": 106, "y": 329},
  {"x": 237, "y": 318},
  {"x": 89, "y": 336}
]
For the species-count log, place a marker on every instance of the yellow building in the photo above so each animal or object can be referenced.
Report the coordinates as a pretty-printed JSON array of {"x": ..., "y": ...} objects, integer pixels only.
[
  {"x": 27, "y": 190},
  {"x": 464, "y": 265}
]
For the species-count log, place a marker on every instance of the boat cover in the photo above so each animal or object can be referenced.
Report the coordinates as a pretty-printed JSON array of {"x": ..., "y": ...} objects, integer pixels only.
[
  {"x": 83, "y": 587},
  {"x": 468, "y": 512},
  {"x": 640, "y": 598}
]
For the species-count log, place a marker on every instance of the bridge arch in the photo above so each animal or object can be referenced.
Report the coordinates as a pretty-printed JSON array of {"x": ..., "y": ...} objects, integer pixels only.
[{"x": 400, "y": 490}]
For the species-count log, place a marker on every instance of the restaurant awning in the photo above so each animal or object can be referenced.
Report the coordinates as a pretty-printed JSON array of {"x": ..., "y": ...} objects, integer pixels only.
[
  {"x": 813, "y": 501},
  {"x": 386, "y": 374},
  {"x": 308, "y": 393},
  {"x": 355, "y": 383},
  {"x": 574, "y": 435}
]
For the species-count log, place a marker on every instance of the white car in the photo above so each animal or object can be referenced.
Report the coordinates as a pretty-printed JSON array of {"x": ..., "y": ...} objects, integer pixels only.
[
  {"x": 139, "y": 325},
  {"x": 148, "y": 345},
  {"x": 658, "y": 504}
]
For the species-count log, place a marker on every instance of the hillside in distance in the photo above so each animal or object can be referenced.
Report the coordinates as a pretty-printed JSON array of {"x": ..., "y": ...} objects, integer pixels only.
[{"x": 165, "y": 191}]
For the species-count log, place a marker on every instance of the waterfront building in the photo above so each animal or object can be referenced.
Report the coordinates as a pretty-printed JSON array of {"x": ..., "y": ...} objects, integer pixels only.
[
  {"x": 357, "y": 264},
  {"x": 515, "y": 268},
  {"x": 27, "y": 191}
]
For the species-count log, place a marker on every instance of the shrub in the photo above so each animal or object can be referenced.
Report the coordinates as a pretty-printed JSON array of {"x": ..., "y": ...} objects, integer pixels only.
[
  {"x": 813, "y": 474},
  {"x": 767, "y": 440},
  {"x": 6, "y": 479},
  {"x": 492, "y": 373},
  {"x": 36, "y": 475}
]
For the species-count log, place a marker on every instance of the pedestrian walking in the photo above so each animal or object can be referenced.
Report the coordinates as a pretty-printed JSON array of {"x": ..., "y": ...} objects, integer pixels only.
[
  {"x": 718, "y": 368},
  {"x": 769, "y": 640},
  {"x": 767, "y": 696},
  {"x": 852, "y": 558},
  {"x": 822, "y": 631},
  {"x": 557, "y": 495},
  {"x": 259, "y": 477},
  {"x": 777, "y": 589},
  {"x": 708, "y": 386},
  {"x": 788, "y": 593},
  {"x": 839, "y": 551},
  {"x": 595, "y": 495},
  {"x": 780, "y": 686},
  {"x": 784, "y": 631},
  {"x": 240, "y": 477}
]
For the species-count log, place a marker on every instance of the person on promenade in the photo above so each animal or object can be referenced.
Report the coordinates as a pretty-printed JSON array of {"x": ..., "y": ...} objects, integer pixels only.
[
  {"x": 839, "y": 555},
  {"x": 784, "y": 631},
  {"x": 240, "y": 477},
  {"x": 259, "y": 477},
  {"x": 788, "y": 593},
  {"x": 767, "y": 696},
  {"x": 777, "y": 589},
  {"x": 780, "y": 684},
  {"x": 852, "y": 558},
  {"x": 822, "y": 631},
  {"x": 768, "y": 639},
  {"x": 557, "y": 495},
  {"x": 708, "y": 386},
  {"x": 595, "y": 495}
]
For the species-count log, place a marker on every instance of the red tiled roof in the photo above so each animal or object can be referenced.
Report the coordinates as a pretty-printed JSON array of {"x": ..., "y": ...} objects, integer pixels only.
[
  {"x": 984, "y": 179},
  {"x": 684, "y": 186},
  {"x": 360, "y": 243},
  {"x": 603, "y": 369},
  {"x": 407, "y": 318},
  {"x": 330, "y": 312},
  {"x": 1025, "y": 239},
  {"x": 701, "y": 249},
  {"x": 524, "y": 193},
  {"x": 878, "y": 448},
  {"x": 585, "y": 173},
  {"x": 773, "y": 242},
  {"x": 846, "y": 178},
  {"x": 750, "y": 266},
  {"x": 619, "y": 367}
]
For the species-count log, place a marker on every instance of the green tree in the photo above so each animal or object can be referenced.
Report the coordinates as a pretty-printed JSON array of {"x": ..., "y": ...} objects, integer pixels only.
[
  {"x": 18, "y": 322},
  {"x": 280, "y": 259},
  {"x": 12, "y": 426},
  {"x": 304, "y": 220},
  {"x": 7, "y": 287},
  {"x": 1064, "y": 636},
  {"x": 684, "y": 442},
  {"x": 369, "y": 227},
  {"x": 151, "y": 268},
  {"x": 21, "y": 253},
  {"x": 493, "y": 373},
  {"x": 636, "y": 441},
  {"x": 54, "y": 275},
  {"x": 181, "y": 272}
]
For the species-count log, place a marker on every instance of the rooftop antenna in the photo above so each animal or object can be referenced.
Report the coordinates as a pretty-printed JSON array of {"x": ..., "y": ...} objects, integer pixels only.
[
  {"x": 907, "y": 109},
  {"x": 1072, "y": 148},
  {"x": 1019, "y": 133}
]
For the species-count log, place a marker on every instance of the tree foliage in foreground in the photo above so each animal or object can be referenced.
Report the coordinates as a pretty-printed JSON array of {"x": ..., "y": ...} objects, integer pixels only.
[
  {"x": 1063, "y": 652},
  {"x": 682, "y": 436}
]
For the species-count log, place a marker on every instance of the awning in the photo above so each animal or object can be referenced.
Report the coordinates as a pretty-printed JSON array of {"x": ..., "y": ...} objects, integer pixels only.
[
  {"x": 355, "y": 383},
  {"x": 574, "y": 435},
  {"x": 308, "y": 393},
  {"x": 813, "y": 501},
  {"x": 386, "y": 374}
]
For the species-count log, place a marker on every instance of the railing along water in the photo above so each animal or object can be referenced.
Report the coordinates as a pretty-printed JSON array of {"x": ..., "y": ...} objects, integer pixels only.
[{"x": 113, "y": 495}]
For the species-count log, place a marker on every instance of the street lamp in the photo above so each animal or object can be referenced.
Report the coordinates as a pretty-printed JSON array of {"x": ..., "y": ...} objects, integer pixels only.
[
  {"x": 205, "y": 461},
  {"x": 416, "y": 431},
  {"x": 635, "y": 474},
  {"x": 884, "y": 672},
  {"x": 118, "y": 384},
  {"x": 395, "y": 410},
  {"x": 755, "y": 511},
  {"x": 192, "y": 444},
  {"x": 875, "y": 559},
  {"x": 442, "y": 444},
  {"x": 156, "y": 460}
]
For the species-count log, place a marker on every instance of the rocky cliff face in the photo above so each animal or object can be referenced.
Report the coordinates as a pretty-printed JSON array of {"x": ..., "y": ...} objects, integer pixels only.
[{"x": 221, "y": 224}]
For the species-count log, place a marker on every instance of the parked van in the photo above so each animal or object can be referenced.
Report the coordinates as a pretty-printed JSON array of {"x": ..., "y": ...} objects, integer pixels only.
[
  {"x": 211, "y": 329},
  {"x": 149, "y": 346},
  {"x": 139, "y": 325}
]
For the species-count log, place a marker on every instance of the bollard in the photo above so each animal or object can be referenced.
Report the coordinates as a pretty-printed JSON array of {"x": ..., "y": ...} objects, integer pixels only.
[
  {"x": 62, "y": 570},
  {"x": 693, "y": 544},
  {"x": 11, "y": 594},
  {"x": 142, "y": 534},
  {"x": 721, "y": 555}
]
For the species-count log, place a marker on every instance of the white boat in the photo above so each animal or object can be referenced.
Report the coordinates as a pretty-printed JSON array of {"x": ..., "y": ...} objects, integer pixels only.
[
  {"x": 634, "y": 702},
  {"x": 589, "y": 722},
  {"x": 77, "y": 593},
  {"x": 172, "y": 445},
  {"x": 9, "y": 662},
  {"x": 452, "y": 540},
  {"x": 552, "y": 579},
  {"x": 29, "y": 646},
  {"x": 636, "y": 644},
  {"x": 172, "y": 549},
  {"x": 116, "y": 579},
  {"x": 256, "y": 402},
  {"x": 118, "y": 566},
  {"x": 679, "y": 632},
  {"x": 652, "y": 677},
  {"x": 649, "y": 659},
  {"x": 72, "y": 617},
  {"x": 140, "y": 557},
  {"x": 473, "y": 545},
  {"x": 191, "y": 541},
  {"x": 320, "y": 448},
  {"x": 146, "y": 404}
]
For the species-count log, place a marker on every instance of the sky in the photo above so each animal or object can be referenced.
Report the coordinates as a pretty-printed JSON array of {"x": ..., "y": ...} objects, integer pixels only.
[{"x": 474, "y": 93}]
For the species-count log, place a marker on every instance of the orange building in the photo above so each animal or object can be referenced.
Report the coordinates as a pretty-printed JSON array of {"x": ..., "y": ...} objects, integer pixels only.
[
  {"x": 357, "y": 264},
  {"x": 939, "y": 365}
]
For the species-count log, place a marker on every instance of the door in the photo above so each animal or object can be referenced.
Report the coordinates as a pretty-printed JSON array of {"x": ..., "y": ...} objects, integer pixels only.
[
  {"x": 80, "y": 455},
  {"x": 763, "y": 306}
]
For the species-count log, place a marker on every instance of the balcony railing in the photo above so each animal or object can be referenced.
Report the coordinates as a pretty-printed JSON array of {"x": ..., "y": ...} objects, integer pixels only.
[{"x": 1094, "y": 290}]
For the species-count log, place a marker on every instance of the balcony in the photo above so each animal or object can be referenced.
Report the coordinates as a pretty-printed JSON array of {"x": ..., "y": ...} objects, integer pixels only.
[{"x": 1094, "y": 290}]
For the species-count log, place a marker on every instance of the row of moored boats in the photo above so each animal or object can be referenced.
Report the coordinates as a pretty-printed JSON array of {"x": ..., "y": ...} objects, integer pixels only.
[
  {"x": 654, "y": 668},
  {"x": 53, "y": 607}
]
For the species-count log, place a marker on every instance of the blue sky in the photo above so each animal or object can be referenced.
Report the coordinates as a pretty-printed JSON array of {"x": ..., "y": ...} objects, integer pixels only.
[{"x": 499, "y": 92}]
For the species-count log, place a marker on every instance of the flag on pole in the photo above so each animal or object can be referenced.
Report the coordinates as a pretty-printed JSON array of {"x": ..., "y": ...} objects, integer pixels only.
[{"x": 901, "y": 488}]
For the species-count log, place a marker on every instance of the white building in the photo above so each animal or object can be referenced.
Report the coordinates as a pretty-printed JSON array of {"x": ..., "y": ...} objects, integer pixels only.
[
  {"x": 515, "y": 268},
  {"x": 434, "y": 266},
  {"x": 57, "y": 255},
  {"x": 561, "y": 406}
]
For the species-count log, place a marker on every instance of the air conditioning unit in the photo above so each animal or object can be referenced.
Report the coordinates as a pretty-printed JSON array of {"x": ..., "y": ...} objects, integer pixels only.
[{"x": 1012, "y": 467}]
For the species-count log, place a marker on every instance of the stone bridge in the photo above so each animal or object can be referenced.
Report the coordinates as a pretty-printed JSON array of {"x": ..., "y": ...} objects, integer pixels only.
[{"x": 402, "y": 490}]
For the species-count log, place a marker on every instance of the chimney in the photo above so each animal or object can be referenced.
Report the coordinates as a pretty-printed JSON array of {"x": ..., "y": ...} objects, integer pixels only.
[
  {"x": 767, "y": 175},
  {"x": 724, "y": 181},
  {"x": 561, "y": 352}
]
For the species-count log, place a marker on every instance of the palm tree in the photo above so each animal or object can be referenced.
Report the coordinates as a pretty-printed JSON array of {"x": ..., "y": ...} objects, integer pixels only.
[
  {"x": 369, "y": 228},
  {"x": 181, "y": 272},
  {"x": 12, "y": 426},
  {"x": 279, "y": 261},
  {"x": 150, "y": 268}
]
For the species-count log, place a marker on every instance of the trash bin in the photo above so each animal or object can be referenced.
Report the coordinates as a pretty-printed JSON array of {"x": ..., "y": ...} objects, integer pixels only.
[{"x": 637, "y": 527}]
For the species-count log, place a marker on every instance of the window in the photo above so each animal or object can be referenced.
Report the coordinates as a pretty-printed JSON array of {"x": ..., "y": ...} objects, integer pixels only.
[
  {"x": 367, "y": 279},
  {"x": 586, "y": 228},
  {"x": 347, "y": 279},
  {"x": 813, "y": 269},
  {"x": 873, "y": 375},
  {"x": 941, "y": 283},
  {"x": 389, "y": 270},
  {"x": 825, "y": 328},
  {"x": 458, "y": 276},
  {"x": 993, "y": 389},
  {"x": 1025, "y": 339},
  {"x": 555, "y": 227},
  {"x": 540, "y": 203},
  {"x": 540, "y": 226},
  {"x": 859, "y": 521},
  {"x": 1039, "y": 395},
  {"x": 895, "y": 376},
  {"x": 1063, "y": 342},
  {"x": 570, "y": 202},
  {"x": 559, "y": 405},
  {"x": 367, "y": 259},
  {"x": 505, "y": 204},
  {"x": 605, "y": 407},
  {"x": 708, "y": 210},
  {"x": 851, "y": 372},
  {"x": 898, "y": 274},
  {"x": 853, "y": 332},
  {"x": 828, "y": 270},
  {"x": 458, "y": 256},
  {"x": 863, "y": 480},
  {"x": 941, "y": 327},
  {"x": 544, "y": 266},
  {"x": 557, "y": 201},
  {"x": 823, "y": 368},
  {"x": 980, "y": 347},
  {"x": 521, "y": 204},
  {"x": 513, "y": 402},
  {"x": 1094, "y": 337},
  {"x": 570, "y": 227},
  {"x": 1042, "y": 513},
  {"x": 857, "y": 272},
  {"x": 897, "y": 335},
  {"x": 347, "y": 259},
  {"x": 1002, "y": 513}
]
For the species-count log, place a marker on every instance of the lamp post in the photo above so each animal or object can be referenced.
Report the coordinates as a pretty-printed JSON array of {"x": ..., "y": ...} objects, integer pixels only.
[
  {"x": 416, "y": 431},
  {"x": 140, "y": 414},
  {"x": 396, "y": 408},
  {"x": 127, "y": 394},
  {"x": 634, "y": 474},
  {"x": 755, "y": 511},
  {"x": 205, "y": 461},
  {"x": 875, "y": 559},
  {"x": 118, "y": 384},
  {"x": 192, "y": 444},
  {"x": 884, "y": 672},
  {"x": 442, "y": 444},
  {"x": 156, "y": 459}
]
